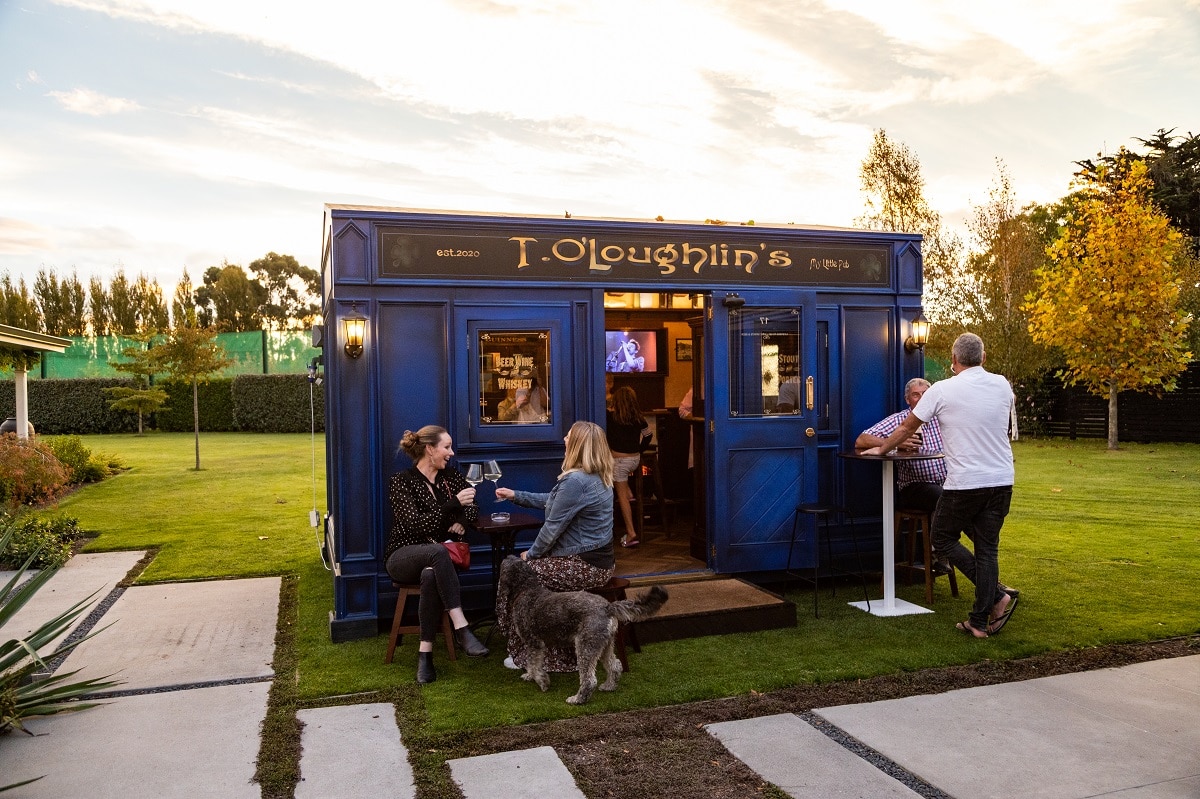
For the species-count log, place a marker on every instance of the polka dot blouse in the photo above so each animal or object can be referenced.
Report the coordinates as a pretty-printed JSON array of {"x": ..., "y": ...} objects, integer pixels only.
[{"x": 422, "y": 511}]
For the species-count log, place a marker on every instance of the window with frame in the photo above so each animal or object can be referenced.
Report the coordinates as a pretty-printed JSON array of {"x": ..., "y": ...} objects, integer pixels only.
[{"x": 514, "y": 376}]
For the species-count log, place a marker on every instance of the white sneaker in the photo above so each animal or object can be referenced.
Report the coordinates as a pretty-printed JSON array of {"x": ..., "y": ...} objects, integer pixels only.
[{"x": 509, "y": 664}]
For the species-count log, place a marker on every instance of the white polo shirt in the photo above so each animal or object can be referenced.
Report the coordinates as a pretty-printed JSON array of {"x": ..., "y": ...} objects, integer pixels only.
[{"x": 973, "y": 410}]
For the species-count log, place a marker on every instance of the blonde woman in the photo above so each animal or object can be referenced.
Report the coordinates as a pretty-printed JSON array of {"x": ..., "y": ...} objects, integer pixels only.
[{"x": 573, "y": 551}]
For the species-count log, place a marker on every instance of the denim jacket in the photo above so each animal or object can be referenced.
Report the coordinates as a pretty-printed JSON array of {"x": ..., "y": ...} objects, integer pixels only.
[{"x": 579, "y": 515}]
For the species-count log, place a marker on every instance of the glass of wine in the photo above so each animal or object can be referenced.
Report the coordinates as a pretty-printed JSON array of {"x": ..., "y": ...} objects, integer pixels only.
[
  {"x": 474, "y": 474},
  {"x": 492, "y": 471}
]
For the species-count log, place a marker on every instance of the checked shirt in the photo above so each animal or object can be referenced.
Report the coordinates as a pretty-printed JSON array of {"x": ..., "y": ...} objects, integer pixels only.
[{"x": 909, "y": 472}]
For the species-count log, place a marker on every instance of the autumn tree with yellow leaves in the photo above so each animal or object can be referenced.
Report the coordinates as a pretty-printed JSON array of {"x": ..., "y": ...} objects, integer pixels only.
[{"x": 1109, "y": 299}]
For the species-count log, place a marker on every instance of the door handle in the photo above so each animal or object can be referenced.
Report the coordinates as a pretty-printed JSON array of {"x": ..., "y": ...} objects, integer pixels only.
[
  {"x": 808, "y": 392},
  {"x": 810, "y": 432}
]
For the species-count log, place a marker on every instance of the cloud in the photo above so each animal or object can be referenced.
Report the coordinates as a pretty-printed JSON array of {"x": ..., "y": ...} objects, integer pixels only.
[
  {"x": 18, "y": 237},
  {"x": 86, "y": 101}
]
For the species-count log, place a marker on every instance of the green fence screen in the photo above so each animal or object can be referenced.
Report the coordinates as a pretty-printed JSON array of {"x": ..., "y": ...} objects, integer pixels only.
[{"x": 256, "y": 352}]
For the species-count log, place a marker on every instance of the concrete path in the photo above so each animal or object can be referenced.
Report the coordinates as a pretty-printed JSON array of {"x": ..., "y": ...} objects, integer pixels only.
[
  {"x": 82, "y": 575},
  {"x": 379, "y": 766},
  {"x": 1132, "y": 732}
]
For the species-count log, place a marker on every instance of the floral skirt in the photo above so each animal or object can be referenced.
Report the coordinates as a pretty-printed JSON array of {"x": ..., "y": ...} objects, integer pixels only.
[{"x": 557, "y": 574}]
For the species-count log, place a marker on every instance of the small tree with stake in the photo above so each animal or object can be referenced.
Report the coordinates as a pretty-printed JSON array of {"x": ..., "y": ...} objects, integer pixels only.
[
  {"x": 145, "y": 398},
  {"x": 191, "y": 354}
]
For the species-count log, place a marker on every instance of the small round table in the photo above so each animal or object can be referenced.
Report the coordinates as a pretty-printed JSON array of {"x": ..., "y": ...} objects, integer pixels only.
[{"x": 890, "y": 606}]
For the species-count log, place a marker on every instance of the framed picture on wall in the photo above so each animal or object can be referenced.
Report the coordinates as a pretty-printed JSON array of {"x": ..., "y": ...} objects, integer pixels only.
[{"x": 683, "y": 349}]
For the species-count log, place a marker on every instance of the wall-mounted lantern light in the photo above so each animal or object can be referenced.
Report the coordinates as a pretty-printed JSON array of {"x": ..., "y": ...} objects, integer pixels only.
[
  {"x": 354, "y": 329},
  {"x": 920, "y": 334}
]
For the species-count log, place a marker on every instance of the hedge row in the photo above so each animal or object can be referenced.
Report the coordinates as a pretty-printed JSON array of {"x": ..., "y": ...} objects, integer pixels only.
[
  {"x": 247, "y": 403},
  {"x": 71, "y": 407}
]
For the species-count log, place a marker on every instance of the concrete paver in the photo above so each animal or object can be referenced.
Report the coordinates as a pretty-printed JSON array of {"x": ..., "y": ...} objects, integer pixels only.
[
  {"x": 379, "y": 765},
  {"x": 184, "y": 634},
  {"x": 524, "y": 774},
  {"x": 197, "y": 743},
  {"x": 80, "y": 576},
  {"x": 788, "y": 752},
  {"x": 1072, "y": 735}
]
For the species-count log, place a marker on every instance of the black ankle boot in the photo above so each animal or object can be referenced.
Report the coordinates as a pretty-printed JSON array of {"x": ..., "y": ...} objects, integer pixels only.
[
  {"x": 468, "y": 643},
  {"x": 425, "y": 670}
]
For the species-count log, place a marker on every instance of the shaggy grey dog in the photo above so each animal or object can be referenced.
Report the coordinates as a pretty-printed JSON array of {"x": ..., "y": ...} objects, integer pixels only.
[{"x": 543, "y": 617}]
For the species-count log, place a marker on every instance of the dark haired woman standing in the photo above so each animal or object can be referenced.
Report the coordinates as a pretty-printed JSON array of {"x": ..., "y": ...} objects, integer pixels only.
[{"x": 431, "y": 502}]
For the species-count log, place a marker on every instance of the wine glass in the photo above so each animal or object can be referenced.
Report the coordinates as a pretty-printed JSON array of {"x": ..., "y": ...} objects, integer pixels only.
[
  {"x": 492, "y": 471},
  {"x": 474, "y": 475}
]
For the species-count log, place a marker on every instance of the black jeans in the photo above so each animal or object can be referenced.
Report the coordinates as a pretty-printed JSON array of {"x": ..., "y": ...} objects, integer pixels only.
[
  {"x": 430, "y": 565},
  {"x": 978, "y": 512}
]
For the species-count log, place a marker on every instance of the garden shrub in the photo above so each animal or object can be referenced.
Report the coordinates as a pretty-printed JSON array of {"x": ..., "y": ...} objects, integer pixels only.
[
  {"x": 49, "y": 538},
  {"x": 29, "y": 472},
  {"x": 277, "y": 404},
  {"x": 82, "y": 464},
  {"x": 216, "y": 406}
]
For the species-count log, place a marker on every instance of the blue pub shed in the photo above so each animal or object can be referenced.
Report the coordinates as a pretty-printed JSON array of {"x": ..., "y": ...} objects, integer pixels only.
[{"x": 790, "y": 338}]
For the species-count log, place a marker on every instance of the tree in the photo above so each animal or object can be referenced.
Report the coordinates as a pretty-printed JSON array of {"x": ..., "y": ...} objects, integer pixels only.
[
  {"x": 998, "y": 277},
  {"x": 144, "y": 398},
  {"x": 122, "y": 306},
  {"x": 49, "y": 300},
  {"x": 291, "y": 291},
  {"x": 230, "y": 299},
  {"x": 148, "y": 302},
  {"x": 74, "y": 304},
  {"x": 183, "y": 304},
  {"x": 99, "y": 306},
  {"x": 17, "y": 308},
  {"x": 895, "y": 197},
  {"x": 1110, "y": 299},
  {"x": 192, "y": 354}
]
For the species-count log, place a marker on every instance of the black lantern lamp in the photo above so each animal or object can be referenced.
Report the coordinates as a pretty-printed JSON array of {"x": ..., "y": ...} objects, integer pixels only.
[
  {"x": 354, "y": 329},
  {"x": 920, "y": 334}
]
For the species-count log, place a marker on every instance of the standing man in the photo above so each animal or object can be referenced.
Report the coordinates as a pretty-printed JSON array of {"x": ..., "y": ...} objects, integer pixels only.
[
  {"x": 919, "y": 482},
  {"x": 973, "y": 409}
]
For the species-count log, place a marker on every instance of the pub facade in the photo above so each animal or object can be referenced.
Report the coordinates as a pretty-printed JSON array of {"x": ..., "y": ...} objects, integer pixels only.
[{"x": 503, "y": 329}]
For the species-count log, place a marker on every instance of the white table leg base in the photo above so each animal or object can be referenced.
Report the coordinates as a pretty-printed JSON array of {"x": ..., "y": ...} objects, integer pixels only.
[{"x": 897, "y": 607}]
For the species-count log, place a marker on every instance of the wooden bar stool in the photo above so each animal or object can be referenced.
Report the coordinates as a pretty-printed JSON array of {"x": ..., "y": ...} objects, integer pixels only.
[
  {"x": 614, "y": 590},
  {"x": 649, "y": 463},
  {"x": 913, "y": 522},
  {"x": 398, "y": 628}
]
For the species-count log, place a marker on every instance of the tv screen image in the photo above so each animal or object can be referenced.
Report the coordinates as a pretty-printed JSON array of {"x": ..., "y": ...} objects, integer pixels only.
[{"x": 631, "y": 351}]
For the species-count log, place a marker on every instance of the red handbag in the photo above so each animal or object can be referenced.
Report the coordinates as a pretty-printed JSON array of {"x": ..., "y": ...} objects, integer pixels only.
[{"x": 460, "y": 553}]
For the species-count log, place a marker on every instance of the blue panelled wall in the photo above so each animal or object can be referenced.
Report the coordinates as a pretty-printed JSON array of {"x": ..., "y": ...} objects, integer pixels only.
[{"x": 458, "y": 306}]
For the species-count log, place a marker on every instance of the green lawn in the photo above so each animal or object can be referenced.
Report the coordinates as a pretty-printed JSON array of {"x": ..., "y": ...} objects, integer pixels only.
[{"x": 1102, "y": 544}]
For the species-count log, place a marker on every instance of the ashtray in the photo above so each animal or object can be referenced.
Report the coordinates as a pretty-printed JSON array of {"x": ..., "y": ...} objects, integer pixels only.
[{"x": 500, "y": 518}]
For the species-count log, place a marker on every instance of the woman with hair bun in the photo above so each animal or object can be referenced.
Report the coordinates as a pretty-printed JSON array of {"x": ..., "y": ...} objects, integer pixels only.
[{"x": 431, "y": 503}]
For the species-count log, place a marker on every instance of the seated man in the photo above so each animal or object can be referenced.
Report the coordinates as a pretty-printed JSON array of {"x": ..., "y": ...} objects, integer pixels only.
[{"x": 919, "y": 482}]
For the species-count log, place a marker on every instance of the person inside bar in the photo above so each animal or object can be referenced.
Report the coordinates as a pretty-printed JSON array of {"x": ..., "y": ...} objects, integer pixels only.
[{"x": 431, "y": 503}]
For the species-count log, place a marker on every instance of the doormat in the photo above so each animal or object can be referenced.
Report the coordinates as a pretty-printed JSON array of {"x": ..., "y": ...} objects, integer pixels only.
[{"x": 718, "y": 606}]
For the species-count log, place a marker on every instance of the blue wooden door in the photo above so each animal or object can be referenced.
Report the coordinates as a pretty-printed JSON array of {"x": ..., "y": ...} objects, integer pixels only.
[{"x": 762, "y": 415}]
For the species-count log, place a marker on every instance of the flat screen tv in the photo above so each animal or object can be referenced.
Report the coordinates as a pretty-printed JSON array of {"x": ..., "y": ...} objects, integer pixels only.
[{"x": 635, "y": 351}]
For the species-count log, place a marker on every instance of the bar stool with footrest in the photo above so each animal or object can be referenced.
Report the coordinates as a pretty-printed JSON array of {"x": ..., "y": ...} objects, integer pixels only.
[
  {"x": 614, "y": 590},
  {"x": 913, "y": 522},
  {"x": 820, "y": 513},
  {"x": 399, "y": 628}
]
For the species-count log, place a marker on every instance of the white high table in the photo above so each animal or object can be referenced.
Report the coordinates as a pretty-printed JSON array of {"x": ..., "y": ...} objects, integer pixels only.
[{"x": 889, "y": 605}]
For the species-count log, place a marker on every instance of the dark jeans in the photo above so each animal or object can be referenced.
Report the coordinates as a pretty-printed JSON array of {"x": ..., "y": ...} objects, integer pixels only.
[
  {"x": 919, "y": 496},
  {"x": 978, "y": 512},
  {"x": 430, "y": 565}
]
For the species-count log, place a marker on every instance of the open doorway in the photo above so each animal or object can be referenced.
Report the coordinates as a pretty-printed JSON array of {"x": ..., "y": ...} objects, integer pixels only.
[{"x": 648, "y": 345}]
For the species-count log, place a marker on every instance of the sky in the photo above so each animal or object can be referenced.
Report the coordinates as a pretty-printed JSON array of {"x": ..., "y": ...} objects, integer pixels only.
[{"x": 157, "y": 135}]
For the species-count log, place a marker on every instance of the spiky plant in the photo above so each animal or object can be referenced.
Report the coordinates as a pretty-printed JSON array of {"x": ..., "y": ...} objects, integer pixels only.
[{"x": 22, "y": 694}]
